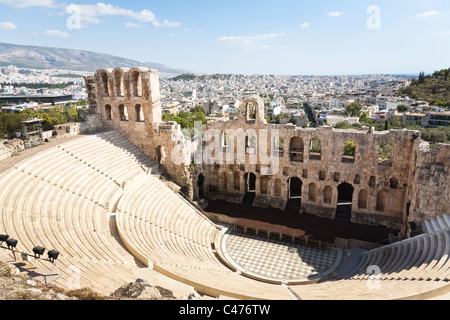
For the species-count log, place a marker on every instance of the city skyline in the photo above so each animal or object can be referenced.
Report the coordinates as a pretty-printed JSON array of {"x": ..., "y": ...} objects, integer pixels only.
[{"x": 255, "y": 37}]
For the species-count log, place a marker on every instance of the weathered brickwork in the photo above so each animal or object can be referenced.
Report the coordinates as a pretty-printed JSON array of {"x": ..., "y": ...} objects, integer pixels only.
[{"x": 321, "y": 178}]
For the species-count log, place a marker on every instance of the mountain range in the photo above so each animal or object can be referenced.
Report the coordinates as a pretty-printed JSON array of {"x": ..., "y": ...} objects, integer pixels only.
[{"x": 35, "y": 57}]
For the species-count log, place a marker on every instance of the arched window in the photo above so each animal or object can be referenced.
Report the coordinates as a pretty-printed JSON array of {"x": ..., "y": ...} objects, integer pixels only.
[
  {"x": 349, "y": 152},
  {"x": 237, "y": 181},
  {"x": 139, "y": 113},
  {"x": 385, "y": 154},
  {"x": 315, "y": 152},
  {"x": 362, "y": 199},
  {"x": 108, "y": 112},
  {"x": 278, "y": 144},
  {"x": 296, "y": 149},
  {"x": 312, "y": 193},
  {"x": 251, "y": 111},
  {"x": 381, "y": 201},
  {"x": 327, "y": 194},
  {"x": 278, "y": 187},
  {"x": 105, "y": 85},
  {"x": 118, "y": 78},
  {"x": 123, "y": 113},
  {"x": 136, "y": 83},
  {"x": 264, "y": 185}
]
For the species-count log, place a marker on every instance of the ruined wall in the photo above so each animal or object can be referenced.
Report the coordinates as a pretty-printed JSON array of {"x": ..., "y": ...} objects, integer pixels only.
[
  {"x": 430, "y": 195},
  {"x": 379, "y": 192}
]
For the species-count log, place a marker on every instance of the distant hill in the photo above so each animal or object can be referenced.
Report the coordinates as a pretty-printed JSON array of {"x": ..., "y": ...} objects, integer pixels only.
[
  {"x": 434, "y": 88},
  {"x": 68, "y": 59}
]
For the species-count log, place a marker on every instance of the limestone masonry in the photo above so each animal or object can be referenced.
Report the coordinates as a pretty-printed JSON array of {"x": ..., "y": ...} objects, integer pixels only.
[{"x": 311, "y": 169}]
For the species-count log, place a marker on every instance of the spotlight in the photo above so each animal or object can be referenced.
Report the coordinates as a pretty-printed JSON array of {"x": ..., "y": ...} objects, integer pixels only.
[
  {"x": 3, "y": 238},
  {"x": 11, "y": 243},
  {"x": 53, "y": 255},
  {"x": 38, "y": 251}
]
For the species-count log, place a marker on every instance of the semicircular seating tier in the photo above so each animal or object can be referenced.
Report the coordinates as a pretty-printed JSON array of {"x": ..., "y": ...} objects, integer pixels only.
[{"x": 99, "y": 201}]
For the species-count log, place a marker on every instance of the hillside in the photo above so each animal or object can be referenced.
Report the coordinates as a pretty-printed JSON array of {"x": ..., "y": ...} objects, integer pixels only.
[
  {"x": 434, "y": 88},
  {"x": 68, "y": 59}
]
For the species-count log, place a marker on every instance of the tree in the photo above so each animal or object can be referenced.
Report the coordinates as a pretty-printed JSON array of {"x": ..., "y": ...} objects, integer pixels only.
[
  {"x": 354, "y": 109},
  {"x": 402, "y": 108},
  {"x": 386, "y": 125}
]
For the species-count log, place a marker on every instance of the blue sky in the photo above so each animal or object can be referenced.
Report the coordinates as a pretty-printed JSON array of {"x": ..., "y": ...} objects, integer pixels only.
[{"x": 246, "y": 37}]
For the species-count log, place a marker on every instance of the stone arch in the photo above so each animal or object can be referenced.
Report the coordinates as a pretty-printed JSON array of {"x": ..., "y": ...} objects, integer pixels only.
[
  {"x": 278, "y": 187},
  {"x": 315, "y": 151},
  {"x": 327, "y": 194},
  {"x": 345, "y": 201},
  {"x": 237, "y": 181},
  {"x": 349, "y": 152},
  {"x": 123, "y": 113},
  {"x": 160, "y": 155},
  {"x": 297, "y": 149},
  {"x": 119, "y": 83},
  {"x": 362, "y": 199},
  {"x": 381, "y": 201},
  {"x": 201, "y": 186},
  {"x": 295, "y": 187},
  {"x": 139, "y": 111},
  {"x": 136, "y": 83},
  {"x": 225, "y": 180},
  {"x": 104, "y": 77},
  {"x": 264, "y": 185},
  {"x": 250, "y": 182},
  {"x": 312, "y": 192},
  {"x": 108, "y": 112}
]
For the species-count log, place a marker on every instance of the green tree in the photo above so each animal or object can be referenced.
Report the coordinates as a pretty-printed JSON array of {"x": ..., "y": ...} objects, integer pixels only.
[
  {"x": 354, "y": 109},
  {"x": 402, "y": 108}
]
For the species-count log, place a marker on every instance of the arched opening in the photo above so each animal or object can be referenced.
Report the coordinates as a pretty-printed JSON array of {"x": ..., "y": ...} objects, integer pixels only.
[
  {"x": 381, "y": 201},
  {"x": 119, "y": 87},
  {"x": 296, "y": 149},
  {"x": 237, "y": 181},
  {"x": 327, "y": 194},
  {"x": 349, "y": 152},
  {"x": 225, "y": 180},
  {"x": 278, "y": 144},
  {"x": 201, "y": 186},
  {"x": 250, "y": 182},
  {"x": 139, "y": 113},
  {"x": 250, "y": 188},
  {"x": 251, "y": 111},
  {"x": 264, "y": 185},
  {"x": 312, "y": 192},
  {"x": 345, "y": 200},
  {"x": 295, "y": 195},
  {"x": 108, "y": 112},
  {"x": 123, "y": 113},
  {"x": 105, "y": 85},
  {"x": 315, "y": 151},
  {"x": 295, "y": 188},
  {"x": 136, "y": 83},
  {"x": 160, "y": 155},
  {"x": 250, "y": 144},
  {"x": 385, "y": 154},
  {"x": 362, "y": 199},
  {"x": 278, "y": 187}
]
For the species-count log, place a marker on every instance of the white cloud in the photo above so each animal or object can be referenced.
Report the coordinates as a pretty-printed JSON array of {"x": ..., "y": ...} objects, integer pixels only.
[
  {"x": 7, "y": 25},
  {"x": 56, "y": 33},
  {"x": 28, "y": 3},
  {"x": 90, "y": 13},
  {"x": 444, "y": 33},
  {"x": 305, "y": 25},
  {"x": 250, "y": 43},
  {"x": 133, "y": 25},
  {"x": 427, "y": 14},
  {"x": 335, "y": 14}
]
